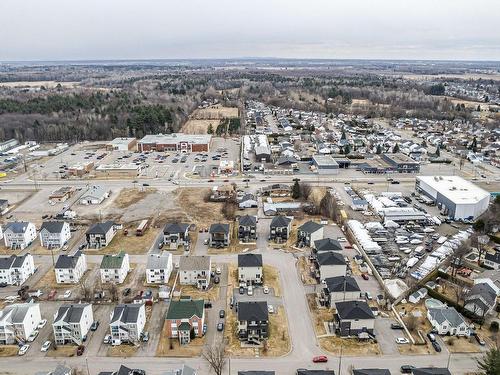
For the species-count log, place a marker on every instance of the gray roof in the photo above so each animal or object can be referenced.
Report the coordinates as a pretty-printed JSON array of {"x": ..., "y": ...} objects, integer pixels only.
[
  {"x": 249, "y": 260},
  {"x": 16, "y": 226},
  {"x": 372, "y": 371},
  {"x": 341, "y": 284},
  {"x": 219, "y": 228},
  {"x": 52, "y": 226},
  {"x": 13, "y": 261},
  {"x": 96, "y": 191},
  {"x": 100, "y": 228},
  {"x": 495, "y": 258},
  {"x": 280, "y": 221},
  {"x": 126, "y": 313},
  {"x": 253, "y": 311},
  {"x": 18, "y": 311},
  {"x": 68, "y": 261},
  {"x": 158, "y": 261},
  {"x": 303, "y": 371},
  {"x": 431, "y": 371},
  {"x": 327, "y": 244},
  {"x": 261, "y": 372},
  {"x": 330, "y": 258},
  {"x": 70, "y": 313},
  {"x": 310, "y": 227},
  {"x": 446, "y": 314},
  {"x": 484, "y": 290},
  {"x": 194, "y": 263},
  {"x": 248, "y": 221},
  {"x": 175, "y": 228},
  {"x": 349, "y": 310}
]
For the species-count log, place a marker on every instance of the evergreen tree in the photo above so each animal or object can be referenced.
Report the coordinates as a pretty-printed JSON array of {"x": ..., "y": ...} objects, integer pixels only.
[
  {"x": 296, "y": 190},
  {"x": 395, "y": 148},
  {"x": 490, "y": 363},
  {"x": 347, "y": 149},
  {"x": 210, "y": 129},
  {"x": 379, "y": 149},
  {"x": 438, "y": 150}
]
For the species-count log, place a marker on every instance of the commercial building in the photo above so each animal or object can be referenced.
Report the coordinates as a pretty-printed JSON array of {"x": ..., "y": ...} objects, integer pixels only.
[
  {"x": 401, "y": 163},
  {"x": 178, "y": 142},
  {"x": 122, "y": 144},
  {"x": 325, "y": 164},
  {"x": 118, "y": 170},
  {"x": 456, "y": 197}
]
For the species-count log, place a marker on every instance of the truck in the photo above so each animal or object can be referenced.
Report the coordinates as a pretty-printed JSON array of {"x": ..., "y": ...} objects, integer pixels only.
[{"x": 142, "y": 228}]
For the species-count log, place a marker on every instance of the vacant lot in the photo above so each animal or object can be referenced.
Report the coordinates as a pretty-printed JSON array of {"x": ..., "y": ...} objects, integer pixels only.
[
  {"x": 191, "y": 202},
  {"x": 202, "y": 118},
  {"x": 278, "y": 343},
  {"x": 130, "y": 243},
  {"x": 62, "y": 351},
  {"x": 462, "y": 345},
  {"x": 122, "y": 350},
  {"x": 353, "y": 347},
  {"x": 272, "y": 279},
  {"x": 8, "y": 350},
  {"x": 199, "y": 126},
  {"x": 319, "y": 316},
  {"x": 128, "y": 197}
]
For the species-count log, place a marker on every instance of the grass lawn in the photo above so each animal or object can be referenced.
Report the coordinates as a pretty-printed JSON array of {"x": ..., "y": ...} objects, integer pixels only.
[
  {"x": 319, "y": 316},
  {"x": 349, "y": 346},
  {"x": 8, "y": 350},
  {"x": 272, "y": 279},
  {"x": 171, "y": 347},
  {"x": 131, "y": 243},
  {"x": 62, "y": 351},
  {"x": 122, "y": 350}
]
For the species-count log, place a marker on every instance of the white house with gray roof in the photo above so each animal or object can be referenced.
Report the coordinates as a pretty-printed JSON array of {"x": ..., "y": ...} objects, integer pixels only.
[
  {"x": 127, "y": 323},
  {"x": 16, "y": 269},
  {"x": 176, "y": 234},
  {"x": 101, "y": 234},
  {"x": 72, "y": 323},
  {"x": 308, "y": 233},
  {"x": 54, "y": 234},
  {"x": 447, "y": 321},
  {"x": 159, "y": 268},
  {"x": 114, "y": 268},
  {"x": 69, "y": 269},
  {"x": 18, "y": 322},
  {"x": 195, "y": 270},
  {"x": 19, "y": 234},
  {"x": 96, "y": 194}
]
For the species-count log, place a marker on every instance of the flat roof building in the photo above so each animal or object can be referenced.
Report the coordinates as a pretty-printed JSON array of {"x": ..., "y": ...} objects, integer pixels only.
[
  {"x": 176, "y": 142},
  {"x": 401, "y": 163},
  {"x": 122, "y": 144},
  {"x": 459, "y": 198},
  {"x": 325, "y": 164}
]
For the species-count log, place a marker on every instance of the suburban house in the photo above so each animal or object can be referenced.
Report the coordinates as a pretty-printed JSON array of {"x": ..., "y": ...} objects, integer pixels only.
[
  {"x": 280, "y": 228},
  {"x": 417, "y": 296},
  {"x": 330, "y": 264},
  {"x": 354, "y": 318},
  {"x": 371, "y": 371},
  {"x": 159, "y": 268},
  {"x": 100, "y": 234},
  {"x": 185, "y": 319},
  {"x": 431, "y": 371},
  {"x": 309, "y": 232},
  {"x": 175, "y": 235},
  {"x": 54, "y": 234},
  {"x": 447, "y": 321},
  {"x": 482, "y": 297},
  {"x": 114, "y": 268},
  {"x": 247, "y": 201},
  {"x": 340, "y": 288},
  {"x": 253, "y": 322},
  {"x": 19, "y": 234},
  {"x": 492, "y": 260},
  {"x": 16, "y": 269},
  {"x": 250, "y": 269},
  {"x": 184, "y": 370},
  {"x": 58, "y": 370},
  {"x": 326, "y": 244},
  {"x": 219, "y": 235},
  {"x": 72, "y": 323},
  {"x": 95, "y": 195},
  {"x": 69, "y": 269},
  {"x": 195, "y": 270},
  {"x": 18, "y": 322},
  {"x": 247, "y": 228},
  {"x": 127, "y": 323}
]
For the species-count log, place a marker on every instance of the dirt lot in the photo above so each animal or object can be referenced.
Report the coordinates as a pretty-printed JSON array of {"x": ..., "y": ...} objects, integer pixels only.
[
  {"x": 193, "y": 207},
  {"x": 8, "y": 350},
  {"x": 415, "y": 349},
  {"x": 202, "y": 118},
  {"x": 279, "y": 339},
  {"x": 211, "y": 294},
  {"x": 462, "y": 344},
  {"x": 131, "y": 243},
  {"x": 122, "y": 350},
  {"x": 319, "y": 316},
  {"x": 353, "y": 347},
  {"x": 128, "y": 197},
  {"x": 304, "y": 265},
  {"x": 272, "y": 279}
]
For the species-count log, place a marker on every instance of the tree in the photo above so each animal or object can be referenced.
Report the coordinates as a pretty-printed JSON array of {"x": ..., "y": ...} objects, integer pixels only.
[
  {"x": 379, "y": 149},
  {"x": 438, "y": 150},
  {"x": 210, "y": 129},
  {"x": 328, "y": 206},
  {"x": 229, "y": 209},
  {"x": 305, "y": 190},
  {"x": 215, "y": 355},
  {"x": 296, "y": 190},
  {"x": 457, "y": 257},
  {"x": 395, "y": 149},
  {"x": 490, "y": 363},
  {"x": 347, "y": 149},
  {"x": 85, "y": 286}
]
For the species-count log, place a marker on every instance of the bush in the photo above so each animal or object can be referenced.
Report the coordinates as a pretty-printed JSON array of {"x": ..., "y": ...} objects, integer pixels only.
[{"x": 494, "y": 326}]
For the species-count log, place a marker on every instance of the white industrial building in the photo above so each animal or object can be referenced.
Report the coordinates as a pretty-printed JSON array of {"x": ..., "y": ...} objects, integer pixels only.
[{"x": 456, "y": 197}]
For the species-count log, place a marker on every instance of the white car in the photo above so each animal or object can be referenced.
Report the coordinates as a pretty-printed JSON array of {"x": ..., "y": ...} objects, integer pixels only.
[
  {"x": 266, "y": 289},
  {"x": 270, "y": 309},
  {"x": 218, "y": 271},
  {"x": 46, "y": 345},
  {"x": 402, "y": 340},
  {"x": 250, "y": 290},
  {"x": 23, "y": 349},
  {"x": 32, "y": 337},
  {"x": 67, "y": 294},
  {"x": 341, "y": 239},
  {"x": 42, "y": 323}
]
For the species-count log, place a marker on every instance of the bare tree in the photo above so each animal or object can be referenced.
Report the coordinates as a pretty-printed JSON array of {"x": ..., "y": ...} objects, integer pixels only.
[
  {"x": 85, "y": 286},
  {"x": 113, "y": 292},
  {"x": 458, "y": 255},
  {"x": 411, "y": 322},
  {"x": 215, "y": 355},
  {"x": 329, "y": 207}
]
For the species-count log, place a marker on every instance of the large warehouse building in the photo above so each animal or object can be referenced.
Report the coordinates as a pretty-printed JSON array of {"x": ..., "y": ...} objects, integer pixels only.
[
  {"x": 178, "y": 142},
  {"x": 460, "y": 199}
]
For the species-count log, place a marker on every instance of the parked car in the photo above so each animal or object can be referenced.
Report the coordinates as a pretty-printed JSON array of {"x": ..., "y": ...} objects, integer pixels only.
[
  {"x": 216, "y": 279},
  {"x": 270, "y": 309},
  {"x": 220, "y": 326},
  {"x": 94, "y": 326},
  {"x": 242, "y": 290},
  {"x": 32, "y": 337},
  {"x": 396, "y": 326},
  {"x": 205, "y": 328},
  {"x": 365, "y": 276},
  {"x": 402, "y": 340},
  {"x": 107, "y": 339},
  {"x": 42, "y": 323},
  {"x": 145, "y": 336},
  {"x": 479, "y": 340},
  {"x": 80, "y": 350},
  {"x": 250, "y": 290},
  {"x": 320, "y": 358},
  {"x": 23, "y": 349},
  {"x": 218, "y": 271},
  {"x": 431, "y": 337},
  {"x": 407, "y": 369},
  {"x": 46, "y": 346},
  {"x": 436, "y": 346},
  {"x": 368, "y": 296},
  {"x": 222, "y": 314},
  {"x": 126, "y": 291},
  {"x": 67, "y": 294},
  {"x": 265, "y": 289}
]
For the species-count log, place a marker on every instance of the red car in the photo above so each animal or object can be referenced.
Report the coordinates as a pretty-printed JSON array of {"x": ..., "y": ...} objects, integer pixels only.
[
  {"x": 365, "y": 276},
  {"x": 320, "y": 358}
]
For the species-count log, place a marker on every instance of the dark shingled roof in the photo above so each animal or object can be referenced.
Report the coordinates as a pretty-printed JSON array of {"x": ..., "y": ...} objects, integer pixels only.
[
  {"x": 247, "y": 221},
  {"x": 327, "y": 244},
  {"x": 330, "y": 258},
  {"x": 495, "y": 258},
  {"x": 341, "y": 284},
  {"x": 354, "y": 310},
  {"x": 253, "y": 311},
  {"x": 310, "y": 227},
  {"x": 126, "y": 313},
  {"x": 303, "y": 371},
  {"x": 280, "y": 221},
  {"x": 431, "y": 371},
  {"x": 16, "y": 226},
  {"x": 14, "y": 261},
  {"x": 249, "y": 260},
  {"x": 52, "y": 226},
  {"x": 175, "y": 228},
  {"x": 372, "y": 371},
  {"x": 219, "y": 227},
  {"x": 100, "y": 228},
  {"x": 70, "y": 313},
  {"x": 255, "y": 372},
  {"x": 68, "y": 261}
]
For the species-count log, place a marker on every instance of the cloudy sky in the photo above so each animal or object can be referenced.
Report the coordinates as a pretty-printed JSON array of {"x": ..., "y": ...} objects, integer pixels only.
[{"x": 142, "y": 29}]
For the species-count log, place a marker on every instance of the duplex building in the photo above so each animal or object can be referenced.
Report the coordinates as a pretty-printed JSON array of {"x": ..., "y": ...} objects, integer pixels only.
[
  {"x": 447, "y": 321},
  {"x": 482, "y": 297},
  {"x": 72, "y": 323},
  {"x": 330, "y": 264},
  {"x": 159, "y": 268},
  {"x": 354, "y": 318},
  {"x": 69, "y": 269},
  {"x": 19, "y": 234},
  {"x": 185, "y": 319},
  {"x": 127, "y": 323},
  {"x": 219, "y": 235},
  {"x": 280, "y": 229},
  {"x": 253, "y": 321},
  {"x": 309, "y": 232},
  {"x": 247, "y": 228},
  {"x": 54, "y": 234},
  {"x": 18, "y": 322},
  {"x": 250, "y": 269},
  {"x": 114, "y": 268},
  {"x": 15, "y": 270},
  {"x": 100, "y": 234},
  {"x": 326, "y": 244},
  {"x": 195, "y": 270},
  {"x": 175, "y": 235},
  {"x": 340, "y": 288}
]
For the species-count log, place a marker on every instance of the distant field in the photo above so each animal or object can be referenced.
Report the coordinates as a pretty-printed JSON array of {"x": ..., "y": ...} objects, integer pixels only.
[
  {"x": 201, "y": 118},
  {"x": 495, "y": 77},
  {"x": 47, "y": 84}
]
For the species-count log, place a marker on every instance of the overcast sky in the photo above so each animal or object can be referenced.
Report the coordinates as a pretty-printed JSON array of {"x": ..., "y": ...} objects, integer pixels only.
[{"x": 142, "y": 29}]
